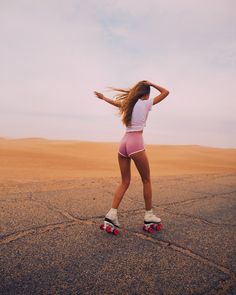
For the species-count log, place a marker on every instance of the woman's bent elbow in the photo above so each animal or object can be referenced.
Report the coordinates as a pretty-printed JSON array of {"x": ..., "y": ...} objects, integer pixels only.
[{"x": 167, "y": 92}]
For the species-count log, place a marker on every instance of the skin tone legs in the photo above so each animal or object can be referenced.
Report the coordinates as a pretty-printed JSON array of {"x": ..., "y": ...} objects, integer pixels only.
[
  {"x": 125, "y": 170},
  {"x": 141, "y": 162}
]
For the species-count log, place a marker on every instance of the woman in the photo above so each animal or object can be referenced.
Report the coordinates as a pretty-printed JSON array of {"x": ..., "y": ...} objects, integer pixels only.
[{"x": 134, "y": 105}]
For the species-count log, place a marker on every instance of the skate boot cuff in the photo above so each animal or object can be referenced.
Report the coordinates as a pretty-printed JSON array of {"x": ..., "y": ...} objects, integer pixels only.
[
  {"x": 110, "y": 221},
  {"x": 149, "y": 222}
]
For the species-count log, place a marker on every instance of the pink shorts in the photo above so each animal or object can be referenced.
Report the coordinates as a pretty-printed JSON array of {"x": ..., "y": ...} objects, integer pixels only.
[{"x": 131, "y": 143}]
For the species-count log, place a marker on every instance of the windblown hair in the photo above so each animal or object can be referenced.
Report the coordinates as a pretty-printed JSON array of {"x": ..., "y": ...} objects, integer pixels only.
[{"x": 128, "y": 98}]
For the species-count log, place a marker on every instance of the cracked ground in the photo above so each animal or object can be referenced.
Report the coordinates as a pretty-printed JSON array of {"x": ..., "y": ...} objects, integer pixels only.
[{"x": 51, "y": 243}]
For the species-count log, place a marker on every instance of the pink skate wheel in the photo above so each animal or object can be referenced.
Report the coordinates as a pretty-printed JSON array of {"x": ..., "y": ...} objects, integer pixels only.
[
  {"x": 115, "y": 231},
  {"x": 159, "y": 227},
  {"x": 152, "y": 226},
  {"x": 108, "y": 229},
  {"x": 150, "y": 230},
  {"x": 102, "y": 226}
]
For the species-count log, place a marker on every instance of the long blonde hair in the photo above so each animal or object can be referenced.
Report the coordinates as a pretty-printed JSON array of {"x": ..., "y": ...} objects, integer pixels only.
[{"x": 128, "y": 98}]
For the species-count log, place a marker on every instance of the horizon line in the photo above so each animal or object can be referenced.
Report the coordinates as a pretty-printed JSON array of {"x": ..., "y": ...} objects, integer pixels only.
[{"x": 104, "y": 142}]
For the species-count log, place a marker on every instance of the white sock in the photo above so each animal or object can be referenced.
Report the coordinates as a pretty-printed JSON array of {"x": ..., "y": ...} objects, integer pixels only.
[
  {"x": 148, "y": 211},
  {"x": 112, "y": 212}
]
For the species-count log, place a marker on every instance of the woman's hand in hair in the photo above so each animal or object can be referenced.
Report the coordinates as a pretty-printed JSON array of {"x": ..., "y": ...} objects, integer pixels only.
[
  {"x": 99, "y": 95},
  {"x": 147, "y": 82}
]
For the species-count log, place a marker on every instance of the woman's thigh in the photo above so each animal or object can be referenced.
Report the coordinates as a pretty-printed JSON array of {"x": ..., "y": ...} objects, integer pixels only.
[
  {"x": 142, "y": 164},
  {"x": 125, "y": 169}
]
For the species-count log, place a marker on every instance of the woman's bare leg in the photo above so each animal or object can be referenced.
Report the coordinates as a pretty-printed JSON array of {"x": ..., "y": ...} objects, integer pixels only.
[
  {"x": 141, "y": 162},
  {"x": 124, "y": 164}
]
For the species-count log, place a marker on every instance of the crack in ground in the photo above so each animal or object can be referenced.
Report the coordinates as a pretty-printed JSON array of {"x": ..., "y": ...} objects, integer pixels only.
[
  {"x": 162, "y": 243},
  {"x": 75, "y": 220},
  {"x": 72, "y": 217},
  {"x": 183, "y": 250},
  {"x": 208, "y": 195},
  {"x": 5, "y": 239},
  {"x": 198, "y": 218},
  {"x": 223, "y": 284},
  {"x": 55, "y": 209},
  {"x": 72, "y": 220}
]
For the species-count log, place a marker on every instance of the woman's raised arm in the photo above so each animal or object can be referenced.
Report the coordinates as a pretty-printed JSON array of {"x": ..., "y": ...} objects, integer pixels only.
[
  {"x": 160, "y": 97},
  {"x": 115, "y": 103}
]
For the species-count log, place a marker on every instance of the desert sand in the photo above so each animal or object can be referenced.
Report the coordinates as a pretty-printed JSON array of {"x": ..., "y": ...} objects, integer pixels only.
[
  {"x": 53, "y": 198},
  {"x": 41, "y": 159}
]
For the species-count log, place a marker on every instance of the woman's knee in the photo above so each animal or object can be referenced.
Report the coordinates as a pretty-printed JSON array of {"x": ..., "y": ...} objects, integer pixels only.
[
  {"x": 146, "y": 180},
  {"x": 126, "y": 182}
]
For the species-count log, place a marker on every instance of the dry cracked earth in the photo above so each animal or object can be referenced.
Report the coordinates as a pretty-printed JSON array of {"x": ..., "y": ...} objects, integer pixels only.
[{"x": 51, "y": 243}]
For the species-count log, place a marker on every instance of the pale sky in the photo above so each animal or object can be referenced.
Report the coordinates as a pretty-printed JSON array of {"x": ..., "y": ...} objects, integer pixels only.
[{"x": 54, "y": 54}]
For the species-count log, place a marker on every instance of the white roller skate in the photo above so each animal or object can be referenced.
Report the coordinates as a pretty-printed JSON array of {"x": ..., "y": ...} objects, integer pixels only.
[
  {"x": 151, "y": 222},
  {"x": 111, "y": 223}
]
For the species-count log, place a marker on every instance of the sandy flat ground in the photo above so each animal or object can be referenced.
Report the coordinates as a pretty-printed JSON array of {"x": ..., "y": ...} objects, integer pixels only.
[{"x": 40, "y": 159}]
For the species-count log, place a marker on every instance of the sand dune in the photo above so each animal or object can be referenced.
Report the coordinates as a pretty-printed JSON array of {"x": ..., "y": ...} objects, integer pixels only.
[{"x": 39, "y": 159}]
